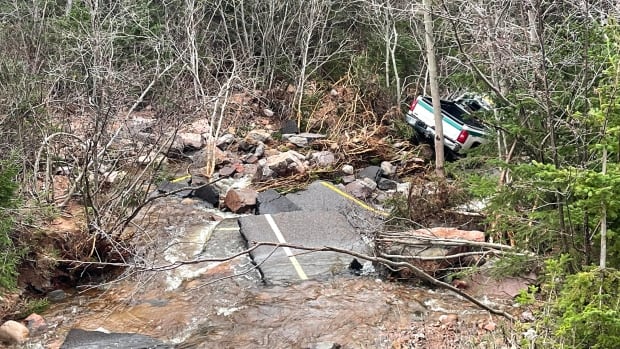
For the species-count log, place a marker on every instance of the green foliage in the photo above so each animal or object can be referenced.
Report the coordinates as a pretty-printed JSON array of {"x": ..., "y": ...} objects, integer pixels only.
[
  {"x": 9, "y": 255},
  {"x": 402, "y": 130},
  {"x": 513, "y": 265},
  {"x": 399, "y": 209},
  {"x": 583, "y": 312},
  {"x": 589, "y": 310},
  {"x": 527, "y": 296},
  {"x": 34, "y": 306}
]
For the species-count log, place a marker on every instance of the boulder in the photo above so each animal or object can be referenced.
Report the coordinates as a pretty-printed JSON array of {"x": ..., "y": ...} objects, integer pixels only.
[
  {"x": 387, "y": 184},
  {"x": 279, "y": 165},
  {"x": 372, "y": 172},
  {"x": 418, "y": 243},
  {"x": 35, "y": 323},
  {"x": 359, "y": 189},
  {"x": 387, "y": 169},
  {"x": 225, "y": 140},
  {"x": 241, "y": 200},
  {"x": 56, "y": 295},
  {"x": 227, "y": 171},
  {"x": 199, "y": 159},
  {"x": 298, "y": 141},
  {"x": 259, "y": 151},
  {"x": 348, "y": 179},
  {"x": 13, "y": 332},
  {"x": 208, "y": 193},
  {"x": 191, "y": 141},
  {"x": 200, "y": 126},
  {"x": 482, "y": 283},
  {"x": 255, "y": 136},
  {"x": 324, "y": 158}
]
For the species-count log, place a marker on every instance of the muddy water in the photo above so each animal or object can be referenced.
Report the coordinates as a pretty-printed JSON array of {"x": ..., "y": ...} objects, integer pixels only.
[{"x": 225, "y": 304}]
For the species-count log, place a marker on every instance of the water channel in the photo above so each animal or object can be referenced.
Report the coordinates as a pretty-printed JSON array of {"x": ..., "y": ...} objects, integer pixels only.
[{"x": 225, "y": 304}]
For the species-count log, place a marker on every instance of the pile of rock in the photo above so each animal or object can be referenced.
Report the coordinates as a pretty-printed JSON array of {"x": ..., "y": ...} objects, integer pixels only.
[{"x": 264, "y": 155}]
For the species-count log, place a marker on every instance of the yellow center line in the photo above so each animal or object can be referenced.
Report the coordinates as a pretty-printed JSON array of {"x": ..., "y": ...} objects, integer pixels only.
[
  {"x": 289, "y": 253},
  {"x": 355, "y": 200},
  {"x": 180, "y": 179}
]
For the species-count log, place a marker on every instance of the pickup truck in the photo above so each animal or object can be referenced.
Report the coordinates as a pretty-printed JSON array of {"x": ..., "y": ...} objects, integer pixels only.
[{"x": 461, "y": 130}]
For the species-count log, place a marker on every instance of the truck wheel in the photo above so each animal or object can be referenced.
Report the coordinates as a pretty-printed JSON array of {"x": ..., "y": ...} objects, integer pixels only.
[{"x": 451, "y": 155}]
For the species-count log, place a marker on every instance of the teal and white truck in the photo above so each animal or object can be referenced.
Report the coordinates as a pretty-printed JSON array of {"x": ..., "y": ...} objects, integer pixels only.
[{"x": 461, "y": 130}]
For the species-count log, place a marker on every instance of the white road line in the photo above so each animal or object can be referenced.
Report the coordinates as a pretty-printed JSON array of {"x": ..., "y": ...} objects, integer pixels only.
[
  {"x": 227, "y": 228},
  {"x": 289, "y": 253}
]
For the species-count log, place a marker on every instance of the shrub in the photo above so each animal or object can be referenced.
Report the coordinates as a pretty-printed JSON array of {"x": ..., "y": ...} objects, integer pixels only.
[{"x": 9, "y": 255}]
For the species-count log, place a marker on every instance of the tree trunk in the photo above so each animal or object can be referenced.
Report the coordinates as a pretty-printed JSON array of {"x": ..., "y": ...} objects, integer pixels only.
[
  {"x": 603, "y": 257},
  {"x": 432, "y": 71}
]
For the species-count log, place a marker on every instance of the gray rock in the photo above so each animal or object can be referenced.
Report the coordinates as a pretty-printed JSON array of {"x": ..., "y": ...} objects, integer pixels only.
[
  {"x": 166, "y": 187},
  {"x": 370, "y": 183},
  {"x": 324, "y": 158},
  {"x": 258, "y": 136},
  {"x": 225, "y": 140},
  {"x": 348, "y": 179},
  {"x": 372, "y": 172},
  {"x": 301, "y": 142},
  {"x": 289, "y": 127},
  {"x": 388, "y": 170},
  {"x": 268, "y": 112},
  {"x": 348, "y": 169},
  {"x": 56, "y": 295},
  {"x": 359, "y": 189},
  {"x": 387, "y": 184},
  {"x": 280, "y": 165},
  {"x": 260, "y": 150},
  {"x": 191, "y": 141},
  {"x": 208, "y": 193},
  {"x": 81, "y": 339},
  {"x": 271, "y": 202},
  {"x": 311, "y": 136}
]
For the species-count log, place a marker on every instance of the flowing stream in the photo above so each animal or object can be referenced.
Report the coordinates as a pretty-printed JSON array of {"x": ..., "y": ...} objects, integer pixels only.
[{"x": 226, "y": 305}]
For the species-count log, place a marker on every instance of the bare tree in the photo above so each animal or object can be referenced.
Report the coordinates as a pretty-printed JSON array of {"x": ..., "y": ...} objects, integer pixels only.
[{"x": 434, "y": 82}]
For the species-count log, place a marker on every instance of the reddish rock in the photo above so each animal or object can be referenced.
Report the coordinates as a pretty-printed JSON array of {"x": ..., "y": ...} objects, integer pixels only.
[
  {"x": 239, "y": 168},
  {"x": 13, "y": 332},
  {"x": 359, "y": 189},
  {"x": 419, "y": 246},
  {"x": 227, "y": 171},
  {"x": 35, "y": 323},
  {"x": 241, "y": 200},
  {"x": 252, "y": 159},
  {"x": 451, "y": 233}
]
